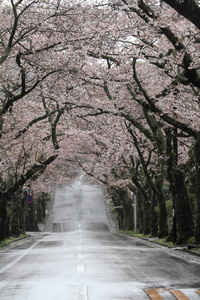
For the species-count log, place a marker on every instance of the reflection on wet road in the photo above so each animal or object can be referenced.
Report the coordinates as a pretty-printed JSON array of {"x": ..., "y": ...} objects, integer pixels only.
[{"x": 79, "y": 258}]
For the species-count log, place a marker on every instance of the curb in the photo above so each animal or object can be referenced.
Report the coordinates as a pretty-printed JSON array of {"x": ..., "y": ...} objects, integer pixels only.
[
  {"x": 3, "y": 247},
  {"x": 183, "y": 249}
]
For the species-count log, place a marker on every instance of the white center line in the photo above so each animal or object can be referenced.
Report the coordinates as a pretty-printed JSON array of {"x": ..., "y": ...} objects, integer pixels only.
[
  {"x": 81, "y": 292},
  {"x": 80, "y": 269},
  {"x": 80, "y": 248},
  {"x": 79, "y": 256}
]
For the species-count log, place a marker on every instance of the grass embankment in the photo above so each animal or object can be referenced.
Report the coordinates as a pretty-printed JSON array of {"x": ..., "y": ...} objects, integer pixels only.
[
  {"x": 10, "y": 240},
  {"x": 148, "y": 237},
  {"x": 162, "y": 241}
]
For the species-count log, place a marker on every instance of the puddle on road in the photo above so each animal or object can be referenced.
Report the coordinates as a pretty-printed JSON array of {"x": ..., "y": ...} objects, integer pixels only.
[{"x": 44, "y": 244}]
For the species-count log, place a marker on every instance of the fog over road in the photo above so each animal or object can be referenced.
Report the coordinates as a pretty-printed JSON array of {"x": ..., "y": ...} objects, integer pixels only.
[{"x": 78, "y": 257}]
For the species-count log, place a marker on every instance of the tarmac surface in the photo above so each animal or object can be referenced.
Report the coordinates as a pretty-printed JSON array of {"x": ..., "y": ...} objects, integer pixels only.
[{"x": 80, "y": 256}]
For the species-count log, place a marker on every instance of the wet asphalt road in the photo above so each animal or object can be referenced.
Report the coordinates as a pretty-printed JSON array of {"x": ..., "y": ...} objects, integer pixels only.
[{"x": 79, "y": 258}]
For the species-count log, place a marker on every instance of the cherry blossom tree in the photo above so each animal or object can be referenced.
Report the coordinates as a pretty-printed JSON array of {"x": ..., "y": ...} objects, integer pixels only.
[
  {"x": 38, "y": 62},
  {"x": 113, "y": 88},
  {"x": 171, "y": 69},
  {"x": 169, "y": 88}
]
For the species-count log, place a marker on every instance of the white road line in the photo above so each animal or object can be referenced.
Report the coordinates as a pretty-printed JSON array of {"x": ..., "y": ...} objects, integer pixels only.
[
  {"x": 79, "y": 225},
  {"x": 81, "y": 292},
  {"x": 80, "y": 269},
  {"x": 80, "y": 248},
  {"x": 79, "y": 256},
  {"x": 24, "y": 253}
]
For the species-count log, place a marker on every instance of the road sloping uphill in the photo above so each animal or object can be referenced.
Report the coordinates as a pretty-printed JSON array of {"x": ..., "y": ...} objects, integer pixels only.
[{"x": 80, "y": 256}]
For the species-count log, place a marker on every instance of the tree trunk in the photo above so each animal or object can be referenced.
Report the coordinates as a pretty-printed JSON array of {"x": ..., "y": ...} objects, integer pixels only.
[
  {"x": 140, "y": 212},
  {"x": 23, "y": 212},
  {"x": 4, "y": 231},
  {"x": 147, "y": 211},
  {"x": 162, "y": 218},
  {"x": 154, "y": 216},
  {"x": 128, "y": 213},
  {"x": 171, "y": 151},
  {"x": 15, "y": 215},
  {"x": 185, "y": 226},
  {"x": 31, "y": 219},
  {"x": 147, "y": 218},
  {"x": 197, "y": 167},
  {"x": 182, "y": 211}
]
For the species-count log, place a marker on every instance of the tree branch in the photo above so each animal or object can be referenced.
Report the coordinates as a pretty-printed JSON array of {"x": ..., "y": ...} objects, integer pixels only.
[
  {"x": 23, "y": 93},
  {"x": 187, "y": 8},
  {"x": 36, "y": 168},
  {"x": 149, "y": 105}
]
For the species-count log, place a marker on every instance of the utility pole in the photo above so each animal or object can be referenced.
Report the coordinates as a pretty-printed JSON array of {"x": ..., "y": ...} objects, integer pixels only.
[{"x": 135, "y": 211}]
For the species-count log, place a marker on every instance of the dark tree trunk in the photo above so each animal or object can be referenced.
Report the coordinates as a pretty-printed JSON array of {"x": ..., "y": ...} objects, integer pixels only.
[
  {"x": 182, "y": 214},
  {"x": 31, "y": 218},
  {"x": 162, "y": 218},
  {"x": 128, "y": 213},
  {"x": 15, "y": 215},
  {"x": 140, "y": 212},
  {"x": 163, "y": 227},
  {"x": 117, "y": 196},
  {"x": 23, "y": 212},
  {"x": 197, "y": 167},
  {"x": 154, "y": 216},
  {"x": 147, "y": 218},
  {"x": 147, "y": 211},
  {"x": 121, "y": 218},
  {"x": 187, "y": 8},
  {"x": 4, "y": 232},
  {"x": 171, "y": 150},
  {"x": 185, "y": 226}
]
